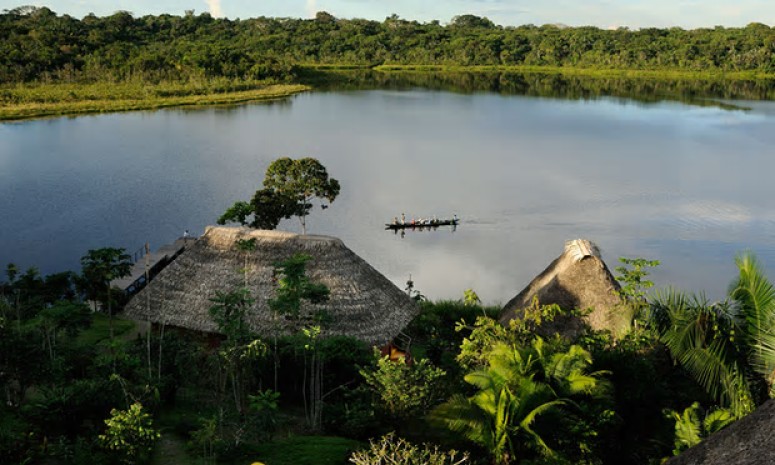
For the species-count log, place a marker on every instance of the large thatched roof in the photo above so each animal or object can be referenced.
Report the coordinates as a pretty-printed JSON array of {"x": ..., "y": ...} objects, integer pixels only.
[
  {"x": 750, "y": 441},
  {"x": 363, "y": 303},
  {"x": 577, "y": 279}
]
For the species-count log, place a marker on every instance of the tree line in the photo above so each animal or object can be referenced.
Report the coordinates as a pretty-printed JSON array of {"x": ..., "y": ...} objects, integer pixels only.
[{"x": 37, "y": 44}]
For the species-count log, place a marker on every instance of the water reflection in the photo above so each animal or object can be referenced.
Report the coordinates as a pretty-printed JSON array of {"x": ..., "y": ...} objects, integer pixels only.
[{"x": 720, "y": 93}]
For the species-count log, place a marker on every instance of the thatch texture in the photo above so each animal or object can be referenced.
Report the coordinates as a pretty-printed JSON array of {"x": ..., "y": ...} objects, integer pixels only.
[
  {"x": 750, "y": 441},
  {"x": 577, "y": 279},
  {"x": 363, "y": 303}
]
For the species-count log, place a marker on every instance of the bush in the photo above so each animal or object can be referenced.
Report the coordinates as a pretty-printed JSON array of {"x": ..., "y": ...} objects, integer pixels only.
[
  {"x": 405, "y": 391},
  {"x": 130, "y": 434},
  {"x": 390, "y": 450}
]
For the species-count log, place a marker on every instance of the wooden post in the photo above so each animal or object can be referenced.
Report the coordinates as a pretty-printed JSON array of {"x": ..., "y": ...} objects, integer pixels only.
[{"x": 148, "y": 306}]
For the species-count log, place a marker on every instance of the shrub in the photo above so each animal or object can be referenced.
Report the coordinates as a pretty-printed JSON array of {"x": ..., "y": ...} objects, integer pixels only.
[{"x": 390, "y": 450}]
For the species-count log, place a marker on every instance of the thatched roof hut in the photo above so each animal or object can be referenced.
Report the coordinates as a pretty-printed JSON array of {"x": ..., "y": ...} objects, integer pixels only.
[
  {"x": 577, "y": 279},
  {"x": 362, "y": 304},
  {"x": 750, "y": 441}
]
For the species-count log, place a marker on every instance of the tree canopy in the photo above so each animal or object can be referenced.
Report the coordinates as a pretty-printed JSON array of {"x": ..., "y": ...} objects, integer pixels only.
[
  {"x": 289, "y": 187},
  {"x": 36, "y": 44}
]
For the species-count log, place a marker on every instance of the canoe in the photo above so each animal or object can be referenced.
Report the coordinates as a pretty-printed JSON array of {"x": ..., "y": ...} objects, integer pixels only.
[{"x": 432, "y": 224}]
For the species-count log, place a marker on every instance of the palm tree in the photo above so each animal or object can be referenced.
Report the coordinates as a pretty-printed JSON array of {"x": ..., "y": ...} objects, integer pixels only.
[
  {"x": 728, "y": 347},
  {"x": 754, "y": 298},
  {"x": 518, "y": 385},
  {"x": 99, "y": 268}
]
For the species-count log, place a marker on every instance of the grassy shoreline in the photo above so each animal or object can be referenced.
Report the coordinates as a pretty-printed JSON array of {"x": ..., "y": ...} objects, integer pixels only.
[
  {"x": 30, "y": 101},
  {"x": 50, "y": 100}
]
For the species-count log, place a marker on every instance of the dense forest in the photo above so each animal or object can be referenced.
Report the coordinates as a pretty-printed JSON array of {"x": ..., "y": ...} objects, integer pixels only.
[
  {"x": 36, "y": 44},
  {"x": 84, "y": 386}
]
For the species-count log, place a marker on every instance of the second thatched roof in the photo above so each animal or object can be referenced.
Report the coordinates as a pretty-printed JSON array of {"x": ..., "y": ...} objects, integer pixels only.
[
  {"x": 363, "y": 303},
  {"x": 577, "y": 279}
]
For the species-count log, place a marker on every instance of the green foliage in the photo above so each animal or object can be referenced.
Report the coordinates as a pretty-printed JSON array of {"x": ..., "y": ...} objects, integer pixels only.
[
  {"x": 16, "y": 438},
  {"x": 129, "y": 434},
  {"x": 632, "y": 276},
  {"x": 404, "y": 390},
  {"x": 99, "y": 330},
  {"x": 294, "y": 286},
  {"x": 305, "y": 450},
  {"x": 43, "y": 46},
  {"x": 98, "y": 268},
  {"x": 693, "y": 425},
  {"x": 53, "y": 99},
  {"x": 301, "y": 180},
  {"x": 264, "y": 408},
  {"x": 754, "y": 298},
  {"x": 268, "y": 208},
  {"x": 238, "y": 213},
  {"x": 471, "y": 298},
  {"x": 485, "y": 332},
  {"x": 205, "y": 439},
  {"x": 726, "y": 347},
  {"x": 241, "y": 347},
  {"x": 433, "y": 332},
  {"x": 390, "y": 449},
  {"x": 289, "y": 187},
  {"x": 230, "y": 311},
  {"x": 697, "y": 334},
  {"x": 518, "y": 385}
]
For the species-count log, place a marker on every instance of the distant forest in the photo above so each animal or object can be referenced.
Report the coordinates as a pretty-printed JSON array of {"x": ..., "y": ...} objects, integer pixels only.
[{"x": 36, "y": 44}]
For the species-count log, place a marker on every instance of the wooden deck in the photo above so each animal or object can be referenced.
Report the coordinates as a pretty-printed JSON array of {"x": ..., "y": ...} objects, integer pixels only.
[{"x": 156, "y": 261}]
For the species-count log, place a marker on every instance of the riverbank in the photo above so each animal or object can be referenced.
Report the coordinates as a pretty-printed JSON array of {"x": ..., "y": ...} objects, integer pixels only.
[
  {"x": 29, "y": 101},
  {"x": 662, "y": 74},
  {"x": 22, "y": 101}
]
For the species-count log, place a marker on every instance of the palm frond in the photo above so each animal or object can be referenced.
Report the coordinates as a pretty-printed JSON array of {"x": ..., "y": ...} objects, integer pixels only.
[
  {"x": 459, "y": 414},
  {"x": 764, "y": 363},
  {"x": 717, "y": 419},
  {"x": 754, "y": 295},
  {"x": 688, "y": 428},
  {"x": 528, "y": 420}
]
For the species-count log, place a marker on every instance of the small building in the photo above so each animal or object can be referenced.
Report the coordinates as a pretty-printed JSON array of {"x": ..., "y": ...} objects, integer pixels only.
[
  {"x": 577, "y": 279},
  {"x": 363, "y": 303},
  {"x": 748, "y": 441}
]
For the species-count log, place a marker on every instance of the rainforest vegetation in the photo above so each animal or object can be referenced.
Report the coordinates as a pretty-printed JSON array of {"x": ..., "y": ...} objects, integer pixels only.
[
  {"x": 80, "y": 384},
  {"x": 124, "y": 62},
  {"x": 36, "y": 44}
]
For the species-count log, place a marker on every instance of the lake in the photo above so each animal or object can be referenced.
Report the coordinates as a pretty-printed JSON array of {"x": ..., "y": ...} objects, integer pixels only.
[{"x": 686, "y": 182}]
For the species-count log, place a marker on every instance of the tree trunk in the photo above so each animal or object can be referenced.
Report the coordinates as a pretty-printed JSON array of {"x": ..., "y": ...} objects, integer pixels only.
[
  {"x": 161, "y": 346},
  {"x": 148, "y": 312},
  {"x": 305, "y": 394}
]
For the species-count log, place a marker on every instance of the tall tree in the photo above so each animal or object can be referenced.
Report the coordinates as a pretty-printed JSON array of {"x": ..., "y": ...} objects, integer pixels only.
[
  {"x": 294, "y": 287},
  {"x": 303, "y": 180},
  {"x": 98, "y": 268},
  {"x": 289, "y": 188}
]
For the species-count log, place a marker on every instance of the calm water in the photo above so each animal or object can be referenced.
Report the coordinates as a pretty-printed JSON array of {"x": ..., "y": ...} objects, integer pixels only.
[{"x": 688, "y": 185}]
